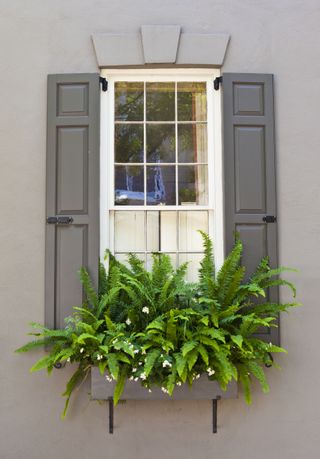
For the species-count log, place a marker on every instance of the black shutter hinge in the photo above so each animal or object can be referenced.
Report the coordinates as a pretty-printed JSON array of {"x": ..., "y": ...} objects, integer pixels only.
[
  {"x": 104, "y": 84},
  {"x": 269, "y": 219},
  {"x": 217, "y": 82}
]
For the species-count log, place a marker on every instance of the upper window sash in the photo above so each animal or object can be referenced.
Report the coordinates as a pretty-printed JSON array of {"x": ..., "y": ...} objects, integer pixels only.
[{"x": 108, "y": 131}]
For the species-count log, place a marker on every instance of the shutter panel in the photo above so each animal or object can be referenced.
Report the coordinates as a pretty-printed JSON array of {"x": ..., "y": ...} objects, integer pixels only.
[
  {"x": 72, "y": 190},
  {"x": 249, "y": 168}
]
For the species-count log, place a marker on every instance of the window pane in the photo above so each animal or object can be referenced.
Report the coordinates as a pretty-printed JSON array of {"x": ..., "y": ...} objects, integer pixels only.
[
  {"x": 128, "y": 143},
  {"x": 193, "y": 260},
  {"x": 161, "y": 231},
  {"x": 192, "y": 143},
  {"x": 129, "y": 185},
  {"x": 161, "y": 185},
  {"x": 128, "y": 101},
  {"x": 129, "y": 231},
  {"x": 160, "y": 102},
  {"x": 193, "y": 185},
  {"x": 192, "y": 101},
  {"x": 160, "y": 143},
  {"x": 190, "y": 223}
]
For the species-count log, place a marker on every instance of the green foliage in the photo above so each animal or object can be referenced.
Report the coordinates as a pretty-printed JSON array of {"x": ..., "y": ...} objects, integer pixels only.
[{"x": 154, "y": 327}]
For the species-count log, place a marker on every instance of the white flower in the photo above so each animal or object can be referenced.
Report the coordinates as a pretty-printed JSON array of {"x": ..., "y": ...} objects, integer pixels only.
[
  {"x": 99, "y": 357},
  {"x": 68, "y": 359},
  {"x": 143, "y": 352},
  {"x": 108, "y": 378},
  {"x": 164, "y": 390},
  {"x": 136, "y": 379},
  {"x": 143, "y": 376},
  {"x": 149, "y": 390},
  {"x": 197, "y": 376},
  {"x": 134, "y": 370},
  {"x": 166, "y": 363},
  {"x": 145, "y": 309},
  {"x": 140, "y": 363},
  {"x": 210, "y": 371},
  {"x": 81, "y": 350},
  {"x": 128, "y": 321},
  {"x": 136, "y": 351},
  {"x": 179, "y": 383}
]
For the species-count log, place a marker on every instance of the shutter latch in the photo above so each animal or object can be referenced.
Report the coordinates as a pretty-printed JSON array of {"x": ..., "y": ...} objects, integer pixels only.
[
  {"x": 104, "y": 84},
  {"x": 269, "y": 219},
  {"x": 217, "y": 82},
  {"x": 59, "y": 220}
]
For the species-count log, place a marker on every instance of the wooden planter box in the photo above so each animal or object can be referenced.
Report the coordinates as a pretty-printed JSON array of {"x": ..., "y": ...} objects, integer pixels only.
[{"x": 202, "y": 389}]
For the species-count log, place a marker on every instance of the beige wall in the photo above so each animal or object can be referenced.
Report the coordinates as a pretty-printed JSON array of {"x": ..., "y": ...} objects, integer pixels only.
[{"x": 39, "y": 37}]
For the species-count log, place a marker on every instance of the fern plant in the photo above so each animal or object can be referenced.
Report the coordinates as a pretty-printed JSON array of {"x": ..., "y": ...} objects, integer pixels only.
[{"x": 154, "y": 327}]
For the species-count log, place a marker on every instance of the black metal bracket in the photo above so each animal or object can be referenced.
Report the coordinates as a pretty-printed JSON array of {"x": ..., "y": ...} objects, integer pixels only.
[
  {"x": 104, "y": 84},
  {"x": 217, "y": 82},
  {"x": 215, "y": 414},
  {"x": 269, "y": 219},
  {"x": 59, "y": 220},
  {"x": 111, "y": 415}
]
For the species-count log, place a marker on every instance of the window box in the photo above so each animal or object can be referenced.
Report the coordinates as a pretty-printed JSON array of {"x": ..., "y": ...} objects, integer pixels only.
[{"x": 202, "y": 389}]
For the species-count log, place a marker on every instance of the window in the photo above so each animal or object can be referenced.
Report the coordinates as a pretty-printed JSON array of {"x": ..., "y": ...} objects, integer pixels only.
[{"x": 161, "y": 166}]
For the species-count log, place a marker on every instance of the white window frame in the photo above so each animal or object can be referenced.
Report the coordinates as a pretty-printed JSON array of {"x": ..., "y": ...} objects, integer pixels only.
[{"x": 215, "y": 165}]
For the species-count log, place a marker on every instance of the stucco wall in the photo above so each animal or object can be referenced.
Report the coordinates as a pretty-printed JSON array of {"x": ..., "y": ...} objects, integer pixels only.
[{"x": 40, "y": 37}]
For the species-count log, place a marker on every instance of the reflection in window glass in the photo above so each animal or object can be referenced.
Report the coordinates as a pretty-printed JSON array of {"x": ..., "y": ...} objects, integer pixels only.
[
  {"x": 128, "y": 143},
  {"x": 160, "y": 103},
  {"x": 129, "y": 185},
  {"x": 192, "y": 185},
  {"x": 161, "y": 143},
  {"x": 192, "y": 101},
  {"x": 161, "y": 185},
  {"x": 129, "y": 101},
  {"x": 192, "y": 143},
  {"x": 147, "y": 132}
]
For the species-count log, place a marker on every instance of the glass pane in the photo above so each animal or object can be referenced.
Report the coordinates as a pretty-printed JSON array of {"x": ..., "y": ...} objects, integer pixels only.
[
  {"x": 190, "y": 223},
  {"x": 193, "y": 260},
  {"x": 129, "y": 185},
  {"x": 192, "y": 101},
  {"x": 160, "y": 102},
  {"x": 128, "y": 143},
  {"x": 161, "y": 231},
  {"x": 172, "y": 256},
  {"x": 129, "y": 231},
  {"x": 128, "y": 102},
  {"x": 192, "y": 143},
  {"x": 193, "y": 185},
  {"x": 160, "y": 143},
  {"x": 161, "y": 185}
]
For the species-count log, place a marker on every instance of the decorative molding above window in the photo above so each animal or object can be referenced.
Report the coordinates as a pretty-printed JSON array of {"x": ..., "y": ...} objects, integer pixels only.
[{"x": 160, "y": 44}]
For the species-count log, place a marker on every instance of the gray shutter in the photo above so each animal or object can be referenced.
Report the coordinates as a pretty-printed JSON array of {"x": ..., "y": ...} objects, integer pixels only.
[
  {"x": 72, "y": 190},
  {"x": 249, "y": 165}
]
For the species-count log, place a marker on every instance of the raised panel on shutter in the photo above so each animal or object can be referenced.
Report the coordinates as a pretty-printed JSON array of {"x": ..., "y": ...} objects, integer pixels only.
[
  {"x": 72, "y": 190},
  {"x": 249, "y": 172}
]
